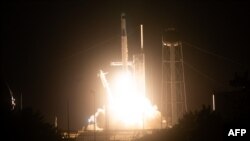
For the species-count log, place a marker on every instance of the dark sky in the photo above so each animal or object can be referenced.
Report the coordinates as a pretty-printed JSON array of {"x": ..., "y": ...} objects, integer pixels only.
[{"x": 52, "y": 51}]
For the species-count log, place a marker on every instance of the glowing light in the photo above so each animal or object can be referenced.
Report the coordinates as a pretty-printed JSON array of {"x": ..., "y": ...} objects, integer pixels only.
[{"x": 129, "y": 107}]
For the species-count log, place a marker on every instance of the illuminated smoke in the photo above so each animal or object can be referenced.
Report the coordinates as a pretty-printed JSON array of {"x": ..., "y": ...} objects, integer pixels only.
[
  {"x": 128, "y": 107},
  {"x": 93, "y": 120}
]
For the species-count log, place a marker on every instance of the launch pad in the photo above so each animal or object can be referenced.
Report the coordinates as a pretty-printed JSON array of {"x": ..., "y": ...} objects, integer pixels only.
[
  {"x": 113, "y": 135},
  {"x": 128, "y": 113}
]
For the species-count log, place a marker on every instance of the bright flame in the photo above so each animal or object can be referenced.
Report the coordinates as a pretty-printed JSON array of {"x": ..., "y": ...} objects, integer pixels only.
[
  {"x": 129, "y": 107},
  {"x": 129, "y": 102}
]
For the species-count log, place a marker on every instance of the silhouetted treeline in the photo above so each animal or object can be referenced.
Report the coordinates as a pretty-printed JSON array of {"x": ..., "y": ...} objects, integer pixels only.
[
  {"x": 232, "y": 112},
  {"x": 23, "y": 125},
  {"x": 240, "y": 81},
  {"x": 203, "y": 125},
  {"x": 27, "y": 125}
]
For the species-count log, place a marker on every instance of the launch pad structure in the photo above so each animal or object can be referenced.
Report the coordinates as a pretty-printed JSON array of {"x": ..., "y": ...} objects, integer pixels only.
[
  {"x": 113, "y": 135},
  {"x": 173, "y": 96},
  {"x": 137, "y": 67}
]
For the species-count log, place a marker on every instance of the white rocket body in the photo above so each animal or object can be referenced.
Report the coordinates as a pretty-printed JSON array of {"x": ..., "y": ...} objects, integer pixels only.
[{"x": 124, "y": 43}]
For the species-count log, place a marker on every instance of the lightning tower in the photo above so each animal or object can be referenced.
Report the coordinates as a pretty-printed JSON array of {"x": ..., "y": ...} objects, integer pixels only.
[
  {"x": 139, "y": 66},
  {"x": 173, "y": 97}
]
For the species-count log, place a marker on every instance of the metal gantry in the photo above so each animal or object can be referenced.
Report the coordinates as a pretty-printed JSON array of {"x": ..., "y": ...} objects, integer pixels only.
[{"x": 173, "y": 97}]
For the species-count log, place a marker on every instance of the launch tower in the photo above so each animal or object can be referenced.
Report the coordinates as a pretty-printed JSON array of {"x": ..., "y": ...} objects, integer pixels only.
[{"x": 173, "y": 97}]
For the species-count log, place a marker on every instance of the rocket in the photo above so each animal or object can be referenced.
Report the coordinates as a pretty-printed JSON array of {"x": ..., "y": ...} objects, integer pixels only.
[{"x": 124, "y": 44}]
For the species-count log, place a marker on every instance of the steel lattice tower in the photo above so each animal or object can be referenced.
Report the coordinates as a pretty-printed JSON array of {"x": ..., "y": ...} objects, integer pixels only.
[{"x": 173, "y": 97}]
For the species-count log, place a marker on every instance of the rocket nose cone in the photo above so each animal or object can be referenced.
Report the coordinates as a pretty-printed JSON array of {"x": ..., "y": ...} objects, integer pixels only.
[{"x": 123, "y": 15}]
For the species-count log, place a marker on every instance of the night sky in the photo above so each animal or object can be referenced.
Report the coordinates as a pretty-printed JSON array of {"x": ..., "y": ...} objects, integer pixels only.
[{"x": 51, "y": 52}]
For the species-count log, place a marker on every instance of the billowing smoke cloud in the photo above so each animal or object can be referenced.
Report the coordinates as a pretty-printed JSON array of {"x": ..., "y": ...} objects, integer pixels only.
[{"x": 128, "y": 108}]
